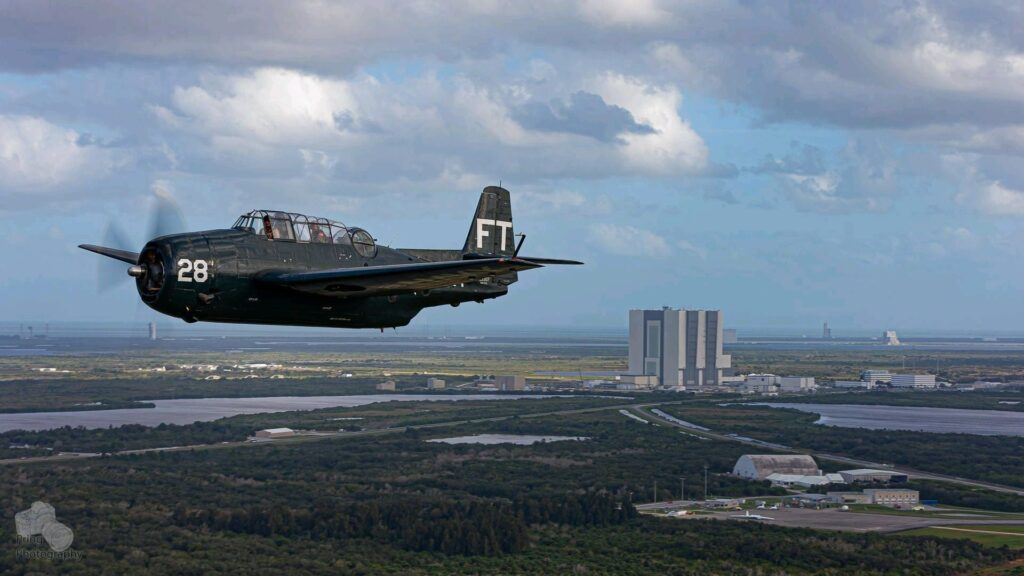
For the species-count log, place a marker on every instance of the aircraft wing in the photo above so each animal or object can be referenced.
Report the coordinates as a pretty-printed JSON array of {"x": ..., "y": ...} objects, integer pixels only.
[{"x": 395, "y": 278}]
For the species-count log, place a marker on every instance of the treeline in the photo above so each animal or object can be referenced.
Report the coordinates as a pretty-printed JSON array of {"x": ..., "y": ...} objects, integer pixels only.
[
  {"x": 957, "y": 495},
  {"x": 127, "y": 437},
  {"x": 478, "y": 527}
]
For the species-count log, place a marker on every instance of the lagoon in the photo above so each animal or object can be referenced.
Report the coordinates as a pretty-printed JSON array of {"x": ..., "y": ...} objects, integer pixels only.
[
  {"x": 916, "y": 418},
  {"x": 190, "y": 410}
]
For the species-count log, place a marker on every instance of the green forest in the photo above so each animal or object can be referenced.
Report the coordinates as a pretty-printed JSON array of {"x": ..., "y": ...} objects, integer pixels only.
[{"x": 399, "y": 504}]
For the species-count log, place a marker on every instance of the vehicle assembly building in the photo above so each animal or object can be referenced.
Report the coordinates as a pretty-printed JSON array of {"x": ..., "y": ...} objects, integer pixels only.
[{"x": 679, "y": 348}]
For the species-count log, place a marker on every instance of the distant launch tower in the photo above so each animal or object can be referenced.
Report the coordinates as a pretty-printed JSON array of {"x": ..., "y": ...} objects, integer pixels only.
[
  {"x": 152, "y": 330},
  {"x": 826, "y": 332}
]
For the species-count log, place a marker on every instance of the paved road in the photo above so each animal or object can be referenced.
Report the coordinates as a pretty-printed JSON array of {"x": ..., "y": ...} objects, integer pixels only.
[{"x": 644, "y": 412}]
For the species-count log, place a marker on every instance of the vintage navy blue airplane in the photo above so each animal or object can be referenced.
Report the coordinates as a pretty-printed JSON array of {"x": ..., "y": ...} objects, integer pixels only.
[{"x": 282, "y": 268}]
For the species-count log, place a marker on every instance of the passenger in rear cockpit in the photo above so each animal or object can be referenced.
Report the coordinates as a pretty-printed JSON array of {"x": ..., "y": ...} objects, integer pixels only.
[
  {"x": 317, "y": 235},
  {"x": 268, "y": 228}
]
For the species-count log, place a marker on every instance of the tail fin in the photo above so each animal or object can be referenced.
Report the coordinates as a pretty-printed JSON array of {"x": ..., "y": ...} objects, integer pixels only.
[{"x": 491, "y": 232}]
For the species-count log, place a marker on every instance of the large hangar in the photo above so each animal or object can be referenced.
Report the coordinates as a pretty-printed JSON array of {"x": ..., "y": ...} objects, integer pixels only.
[{"x": 761, "y": 466}]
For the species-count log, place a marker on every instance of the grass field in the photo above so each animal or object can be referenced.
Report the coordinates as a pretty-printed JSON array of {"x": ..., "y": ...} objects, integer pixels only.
[{"x": 987, "y": 535}]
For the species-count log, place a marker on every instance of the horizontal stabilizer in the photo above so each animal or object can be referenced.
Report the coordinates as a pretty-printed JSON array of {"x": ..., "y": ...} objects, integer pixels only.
[
  {"x": 551, "y": 261},
  {"x": 122, "y": 255}
]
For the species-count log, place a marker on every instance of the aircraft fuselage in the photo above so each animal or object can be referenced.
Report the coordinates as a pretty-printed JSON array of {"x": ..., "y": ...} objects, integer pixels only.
[{"x": 212, "y": 276}]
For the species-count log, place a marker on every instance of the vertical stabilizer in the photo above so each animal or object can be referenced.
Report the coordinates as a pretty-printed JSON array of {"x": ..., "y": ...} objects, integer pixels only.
[{"x": 490, "y": 232}]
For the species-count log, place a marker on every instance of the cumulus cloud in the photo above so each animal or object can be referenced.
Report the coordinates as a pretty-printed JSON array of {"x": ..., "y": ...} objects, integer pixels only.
[
  {"x": 274, "y": 120},
  {"x": 802, "y": 159},
  {"x": 606, "y": 13},
  {"x": 340, "y": 90},
  {"x": 977, "y": 190},
  {"x": 628, "y": 241},
  {"x": 994, "y": 198},
  {"x": 863, "y": 64},
  {"x": 544, "y": 201},
  {"x": 673, "y": 146},
  {"x": 38, "y": 156},
  {"x": 271, "y": 105},
  {"x": 996, "y": 140},
  {"x": 584, "y": 113},
  {"x": 861, "y": 177},
  {"x": 691, "y": 248}
]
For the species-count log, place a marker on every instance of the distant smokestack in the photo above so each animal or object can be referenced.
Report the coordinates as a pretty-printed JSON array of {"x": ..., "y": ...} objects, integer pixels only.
[{"x": 152, "y": 330}]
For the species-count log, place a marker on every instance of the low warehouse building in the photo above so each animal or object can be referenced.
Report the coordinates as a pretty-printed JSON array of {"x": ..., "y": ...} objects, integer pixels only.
[
  {"x": 867, "y": 475},
  {"x": 850, "y": 497},
  {"x": 386, "y": 386},
  {"x": 510, "y": 382},
  {"x": 275, "y": 433},
  {"x": 435, "y": 384},
  {"x": 898, "y": 497},
  {"x": 761, "y": 466},
  {"x": 797, "y": 384},
  {"x": 807, "y": 501}
]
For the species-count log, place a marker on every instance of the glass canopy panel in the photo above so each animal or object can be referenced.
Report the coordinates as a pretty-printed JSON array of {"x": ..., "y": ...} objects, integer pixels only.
[
  {"x": 281, "y": 225},
  {"x": 301, "y": 225},
  {"x": 363, "y": 243},
  {"x": 319, "y": 231}
]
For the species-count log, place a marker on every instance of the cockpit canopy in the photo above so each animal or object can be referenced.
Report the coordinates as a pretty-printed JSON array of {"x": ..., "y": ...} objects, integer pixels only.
[{"x": 292, "y": 227}]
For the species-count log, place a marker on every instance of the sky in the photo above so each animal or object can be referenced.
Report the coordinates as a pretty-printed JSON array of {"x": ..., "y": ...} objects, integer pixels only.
[{"x": 786, "y": 162}]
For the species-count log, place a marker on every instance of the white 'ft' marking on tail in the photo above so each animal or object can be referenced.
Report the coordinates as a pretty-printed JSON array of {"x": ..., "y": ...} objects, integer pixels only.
[{"x": 481, "y": 232}]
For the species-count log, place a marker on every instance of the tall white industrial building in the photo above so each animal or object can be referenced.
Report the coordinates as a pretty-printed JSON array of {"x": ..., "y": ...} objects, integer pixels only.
[{"x": 677, "y": 347}]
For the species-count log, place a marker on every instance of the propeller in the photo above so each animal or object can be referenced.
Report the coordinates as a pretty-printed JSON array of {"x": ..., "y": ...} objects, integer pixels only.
[
  {"x": 165, "y": 218},
  {"x": 166, "y": 215},
  {"x": 111, "y": 272}
]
